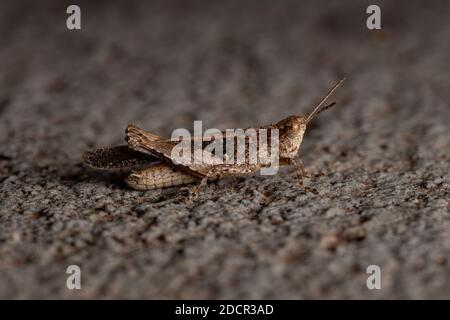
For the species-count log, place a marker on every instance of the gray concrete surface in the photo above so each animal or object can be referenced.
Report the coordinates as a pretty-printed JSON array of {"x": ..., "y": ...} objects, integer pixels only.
[{"x": 379, "y": 159}]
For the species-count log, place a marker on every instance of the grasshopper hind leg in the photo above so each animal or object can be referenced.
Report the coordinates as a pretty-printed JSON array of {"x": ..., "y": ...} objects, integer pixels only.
[{"x": 158, "y": 176}]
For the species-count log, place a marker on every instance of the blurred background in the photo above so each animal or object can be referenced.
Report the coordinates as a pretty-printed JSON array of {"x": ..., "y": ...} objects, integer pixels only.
[{"x": 379, "y": 159}]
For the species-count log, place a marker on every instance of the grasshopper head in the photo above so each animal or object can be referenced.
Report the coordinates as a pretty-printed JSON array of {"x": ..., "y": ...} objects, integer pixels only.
[
  {"x": 291, "y": 132},
  {"x": 293, "y": 128}
]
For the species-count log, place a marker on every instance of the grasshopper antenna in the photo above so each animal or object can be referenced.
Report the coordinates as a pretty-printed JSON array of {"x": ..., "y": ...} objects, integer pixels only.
[{"x": 319, "y": 108}]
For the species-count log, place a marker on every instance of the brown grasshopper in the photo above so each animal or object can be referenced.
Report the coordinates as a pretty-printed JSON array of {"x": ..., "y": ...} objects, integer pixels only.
[{"x": 153, "y": 154}]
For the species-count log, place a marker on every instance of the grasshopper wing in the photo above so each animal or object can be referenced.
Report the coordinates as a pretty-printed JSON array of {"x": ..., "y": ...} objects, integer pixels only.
[
  {"x": 116, "y": 157},
  {"x": 138, "y": 138}
]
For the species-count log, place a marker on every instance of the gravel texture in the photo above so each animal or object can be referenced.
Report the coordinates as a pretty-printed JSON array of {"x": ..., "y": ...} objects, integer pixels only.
[{"x": 379, "y": 160}]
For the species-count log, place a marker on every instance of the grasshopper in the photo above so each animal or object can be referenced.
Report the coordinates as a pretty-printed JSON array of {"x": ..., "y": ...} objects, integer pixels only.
[{"x": 150, "y": 155}]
